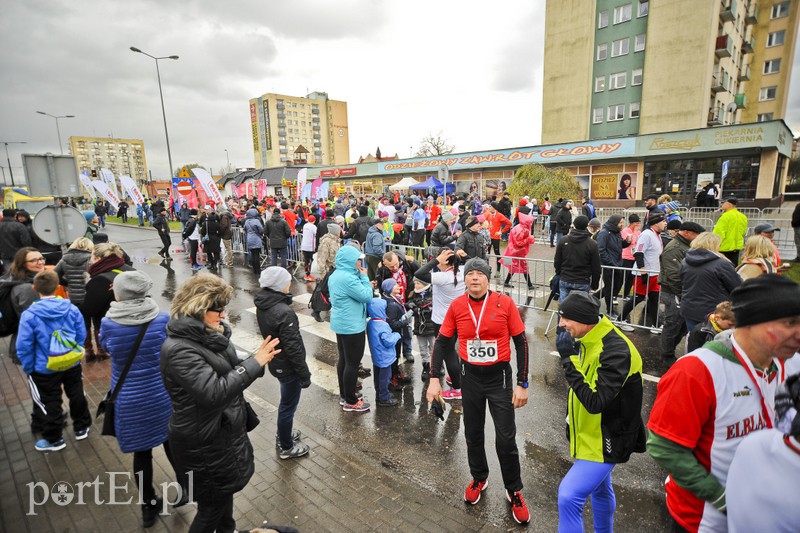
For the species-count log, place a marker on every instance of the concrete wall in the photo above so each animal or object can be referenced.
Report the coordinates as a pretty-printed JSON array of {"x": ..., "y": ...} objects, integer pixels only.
[
  {"x": 340, "y": 132},
  {"x": 568, "y": 59}
]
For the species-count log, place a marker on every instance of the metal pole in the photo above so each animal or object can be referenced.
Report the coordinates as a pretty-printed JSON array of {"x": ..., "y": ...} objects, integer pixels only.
[
  {"x": 58, "y": 131},
  {"x": 164, "y": 115}
]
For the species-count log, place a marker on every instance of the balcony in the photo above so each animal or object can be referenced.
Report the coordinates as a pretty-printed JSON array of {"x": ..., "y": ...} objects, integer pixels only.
[
  {"x": 724, "y": 46},
  {"x": 714, "y": 118},
  {"x": 281, "y": 124},
  {"x": 315, "y": 127},
  {"x": 752, "y": 16},
  {"x": 282, "y": 133},
  {"x": 315, "y": 111},
  {"x": 282, "y": 142},
  {"x": 316, "y": 136},
  {"x": 719, "y": 81},
  {"x": 744, "y": 73},
  {"x": 281, "y": 115},
  {"x": 747, "y": 46},
  {"x": 741, "y": 101},
  {"x": 318, "y": 152},
  {"x": 317, "y": 144},
  {"x": 283, "y": 150},
  {"x": 281, "y": 107},
  {"x": 727, "y": 11},
  {"x": 315, "y": 119}
]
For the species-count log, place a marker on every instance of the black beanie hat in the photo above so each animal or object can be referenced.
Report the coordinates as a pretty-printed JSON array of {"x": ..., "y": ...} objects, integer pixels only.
[
  {"x": 655, "y": 217},
  {"x": 633, "y": 217},
  {"x": 581, "y": 222},
  {"x": 476, "y": 263},
  {"x": 581, "y": 307},
  {"x": 764, "y": 299}
]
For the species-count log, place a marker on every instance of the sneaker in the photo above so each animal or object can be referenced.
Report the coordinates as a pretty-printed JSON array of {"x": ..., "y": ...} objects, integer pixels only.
[
  {"x": 81, "y": 434},
  {"x": 298, "y": 450},
  {"x": 613, "y": 316},
  {"x": 196, "y": 267},
  {"x": 426, "y": 372},
  {"x": 473, "y": 493},
  {"x": 451, "y": 394},
  {"x": 295, "y": 437},
  {"x": 44, "y": 445},
  {"x": 519, "y": 511},
  {"x": 448, "y": 381},
  {"x": 359, "y": 407},
  {"x": 507, "y": 284},
  {"x": 391, "y": 402},
  {"x": 655, "y": 331},
  {"x": 626, "y": 327},
  {"x": 342, "y": 401}
]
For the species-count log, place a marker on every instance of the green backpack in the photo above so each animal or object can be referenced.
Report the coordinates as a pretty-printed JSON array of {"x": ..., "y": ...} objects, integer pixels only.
[{"x": 64, "y": 351}]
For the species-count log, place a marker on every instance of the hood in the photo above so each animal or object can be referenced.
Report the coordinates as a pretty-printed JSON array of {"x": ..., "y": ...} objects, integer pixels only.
[
  {"x": 50, "y": 308},
  {"x": 186, "y": 327},
  {"x": 77, "y": 258},
  {"x": 334, "y": 229},
  {"x": 24, "y": 214},
  {"x": 267, "y": 298},
  {"x": 612, "y": 224},
  {"x": 252, "y": 213},
  {"x": 525, "y": 219},
  {"x": 700, "y": 256},
  {"x": 346, "y": 257},
  {"x": 276, "y": 217},
  {"x": 579, "y": 235},
  {"x": 377, "y": 308}
]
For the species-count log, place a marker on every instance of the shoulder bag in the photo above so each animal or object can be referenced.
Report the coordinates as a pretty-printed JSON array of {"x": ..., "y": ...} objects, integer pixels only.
[{"x": 106, "y": 407}]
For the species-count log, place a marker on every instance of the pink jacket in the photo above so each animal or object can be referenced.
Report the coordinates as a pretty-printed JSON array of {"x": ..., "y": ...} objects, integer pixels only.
[{"x": 519, "y": 244}]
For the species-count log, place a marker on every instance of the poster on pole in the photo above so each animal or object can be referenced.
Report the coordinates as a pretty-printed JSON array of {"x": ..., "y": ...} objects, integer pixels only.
[
  {"x": 107, "y": 193},
  {"x": 302, "y": 176},
  {"x": 87, "y": 184},
  {"x": 108, "y": 178},
  {"x": 133, "y": 191},
  {"x": 208, "y": 185}
]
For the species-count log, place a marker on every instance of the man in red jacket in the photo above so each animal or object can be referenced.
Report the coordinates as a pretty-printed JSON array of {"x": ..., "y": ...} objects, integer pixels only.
[
  {"x": 432, "y": 212},
  {"x": 498, "y": 224}
]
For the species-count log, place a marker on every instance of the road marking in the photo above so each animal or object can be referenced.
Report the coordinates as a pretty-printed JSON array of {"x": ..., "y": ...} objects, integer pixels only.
[{"x": 646, "y": 377}]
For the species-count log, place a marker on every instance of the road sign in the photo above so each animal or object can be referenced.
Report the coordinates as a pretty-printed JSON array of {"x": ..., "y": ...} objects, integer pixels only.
[
  {"x": 184, "y": 173},
  {"x": 725, "y": 165},
  {"x": 185, "y": 188},
  {"x": 51, "y": 175},
  {"x": 59, "y": 224}
]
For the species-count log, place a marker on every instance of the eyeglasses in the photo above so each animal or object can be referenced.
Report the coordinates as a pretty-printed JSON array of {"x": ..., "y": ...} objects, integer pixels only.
[
  {"x": 35, "y": 260},
  {"x": 218, "y": 311}
]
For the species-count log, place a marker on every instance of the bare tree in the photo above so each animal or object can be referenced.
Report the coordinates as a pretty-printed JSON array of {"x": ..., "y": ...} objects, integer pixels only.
[{"x": 432, "y": 145}]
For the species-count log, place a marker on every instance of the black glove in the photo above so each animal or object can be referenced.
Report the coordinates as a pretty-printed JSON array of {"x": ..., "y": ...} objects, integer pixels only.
[
  {"x": 438, "y": 407},
  {"x": 305, "y": 383},
  {"x": 566, "y": 346}
]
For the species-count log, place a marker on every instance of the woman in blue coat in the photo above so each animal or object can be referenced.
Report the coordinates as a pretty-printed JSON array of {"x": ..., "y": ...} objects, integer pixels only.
[
  {"x": 143, "y": 407},
  {"x": 350, "y": 290},
  {"x": 254, "y": 231}
]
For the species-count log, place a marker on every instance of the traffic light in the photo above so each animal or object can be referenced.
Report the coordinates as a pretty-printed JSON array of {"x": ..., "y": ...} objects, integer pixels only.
[{"x": 94, "y": 173}]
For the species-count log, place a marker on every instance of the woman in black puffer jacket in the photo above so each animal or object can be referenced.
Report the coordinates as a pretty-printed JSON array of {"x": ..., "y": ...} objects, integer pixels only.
[
  {"x": 73, "y": 269},
  {"x": 206, "y": 380}
]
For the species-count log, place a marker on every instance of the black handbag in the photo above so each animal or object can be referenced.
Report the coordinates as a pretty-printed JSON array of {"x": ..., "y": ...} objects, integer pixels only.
[
  {"x": 252, "y": 418},
  {"x": 106, "y": 406}
]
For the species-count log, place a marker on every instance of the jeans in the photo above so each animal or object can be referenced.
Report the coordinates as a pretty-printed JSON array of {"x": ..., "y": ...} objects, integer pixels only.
[
  {"x": 141, "y": 219},
  {"x": 405, "y": 336},
  {"x": 690, "y": 324},
  {"x": 102, "y": 219},
  {"x": 290, "y": 398},
  {"x": 584, "y": 479},
  {"x": 214, "y": 514},
  {"x": 493, "y": 386},
  {"x": 673, "y": 328},
  {"x": 381, "y": 377},
  {"x": 559, "y": 236},
  {"x": 566, "y": 287},
  {"x": 351, "y": 350},
  {"x": 275, "y": 252}
]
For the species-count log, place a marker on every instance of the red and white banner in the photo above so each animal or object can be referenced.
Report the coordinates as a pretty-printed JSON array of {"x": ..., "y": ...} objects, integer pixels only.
[
  {"x": 106, "y": 192},
  {"x": 133, "y": 191},
  {"x": 209, "y": 187},
  {"x": 108, "y": 178},
  {"x": 302, "y": 177},
  {"x": 87, "y": 184}
]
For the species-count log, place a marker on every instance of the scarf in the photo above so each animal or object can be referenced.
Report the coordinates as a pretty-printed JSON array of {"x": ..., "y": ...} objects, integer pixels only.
[
  {"x": 133, "y": 312},
  {"x": 104, "y": 265}
]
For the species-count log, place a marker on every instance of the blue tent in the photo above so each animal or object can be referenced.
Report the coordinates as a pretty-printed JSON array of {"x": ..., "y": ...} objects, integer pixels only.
[{"x": 433, "y": 183}]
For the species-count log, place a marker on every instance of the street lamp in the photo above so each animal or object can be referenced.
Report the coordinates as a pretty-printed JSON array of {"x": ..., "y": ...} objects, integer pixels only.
[
  {"x": 9, "y": 159},
  {"x": 227, "y": 156},
  {"x": 161, "y": 94},
  {"x": 58, "y": 130}
]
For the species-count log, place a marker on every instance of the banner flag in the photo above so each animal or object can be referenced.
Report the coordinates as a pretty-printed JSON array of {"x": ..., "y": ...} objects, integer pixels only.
[
  {"x": 133, "y": 191},
  {"x": 315, "y": 186},
  {"x": 108, "y": 178},
  {"x": 208, "y": 185},
  {"x": 302, "y": 177},
  {"x": 107, "y": 193},
  {"x": 324, "y": 190},
  {"x": 87, "y": 184}
]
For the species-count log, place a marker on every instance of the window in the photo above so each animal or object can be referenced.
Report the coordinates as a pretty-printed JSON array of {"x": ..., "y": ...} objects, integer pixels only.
[
  {"x": 764, "y": 117},
  {"x": 634, "y": 110},
  {"x": 620, "y": 47},
  {"x": 600, "y": 84},
  {"x": 602, "y": 19},
  {"x": 639, "y": 42},
  {"x": 644, "y": 8},
  {"x": 622, "y": 13},
  {"x": 767, "y": 93},
  {"x": 779, "y": 10},
  {"x": 616, "y": 112},
  {"x": 602, "y": 51},
  {"x": 776, "y": 38},
  {"x": 771, "y": 66},
  {"x": 618, "y": 80},
  {"x": 597, "y": 115},
  {"x": 636, "y": 76}
]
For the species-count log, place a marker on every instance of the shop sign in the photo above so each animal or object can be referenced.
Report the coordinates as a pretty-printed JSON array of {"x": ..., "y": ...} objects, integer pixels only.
[
  {"x": 715, "y": 139},
  {"x": 338, "y": 172},
  {"x": 604, "y": 186}
]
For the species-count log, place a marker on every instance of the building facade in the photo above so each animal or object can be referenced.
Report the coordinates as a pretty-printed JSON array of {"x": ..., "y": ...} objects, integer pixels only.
[
  {"x": 281, "y": 123},
  {"x": 120, "y": 156},
  {"x": 666, "y": 66}
]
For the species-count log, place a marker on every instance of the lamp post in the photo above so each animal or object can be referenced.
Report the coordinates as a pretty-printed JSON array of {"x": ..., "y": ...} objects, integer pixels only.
[
  {"x": 227, "y": 156},
  {"x": 10, "y": 171},
  {"x": 58, "y": 130},
  {"x": 161, "y": 94}
]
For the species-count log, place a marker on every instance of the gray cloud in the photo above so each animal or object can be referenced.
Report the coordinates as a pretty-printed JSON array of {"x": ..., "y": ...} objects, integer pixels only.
[{"x": 523, "y": 55}]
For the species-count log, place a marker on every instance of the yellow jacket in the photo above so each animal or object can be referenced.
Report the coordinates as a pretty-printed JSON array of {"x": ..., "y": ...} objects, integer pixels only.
[{"x": 732, "y": 227}]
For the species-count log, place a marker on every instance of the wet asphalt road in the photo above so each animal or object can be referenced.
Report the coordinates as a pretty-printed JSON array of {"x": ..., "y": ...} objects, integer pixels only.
[{"x": 409, "y": 442}]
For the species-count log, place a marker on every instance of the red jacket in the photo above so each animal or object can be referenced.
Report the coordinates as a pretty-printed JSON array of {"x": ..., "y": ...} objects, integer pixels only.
[
  {"x": 498, "y": 223},
  {"x": 433, "y": 212}
]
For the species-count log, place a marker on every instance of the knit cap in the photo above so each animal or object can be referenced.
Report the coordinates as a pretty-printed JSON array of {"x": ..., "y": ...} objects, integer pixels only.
[
  {"x": 476, "y": 263},
  {"x": 388, "y": 285},
  {"x": 764, "y": 299},
  {"x": 89, "y": 216},
  {"x": 447, "y": 216},
  {"x": 581, "y": 307},
  {"x": 581, "y": 222},
  {"x": 275, "y": 278},
  {"x": 132, "y": 285}
]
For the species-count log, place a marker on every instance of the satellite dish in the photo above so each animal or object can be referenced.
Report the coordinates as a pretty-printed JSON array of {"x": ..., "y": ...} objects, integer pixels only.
[
  {"x": 48, "y": 219},
  {"x": 732, "y": 107}
]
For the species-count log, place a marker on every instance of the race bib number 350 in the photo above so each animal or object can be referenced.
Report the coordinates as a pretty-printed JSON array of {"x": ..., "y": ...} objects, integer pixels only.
[{"x": 481, "y": 352}]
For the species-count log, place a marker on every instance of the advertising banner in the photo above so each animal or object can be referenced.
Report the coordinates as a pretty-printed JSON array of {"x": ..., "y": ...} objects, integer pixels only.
[
  {"x": 108, "y": 178},
  {"x": 209, "y": 187},
  {"x": 107, "y": 193},
  {"x": 87, "y": 184},
  {"x": 315, "y": 186},
  {"x": 302, "y": 176},
  {"x": 133, "y": 191},
  {"x": 262, "y": 189}
]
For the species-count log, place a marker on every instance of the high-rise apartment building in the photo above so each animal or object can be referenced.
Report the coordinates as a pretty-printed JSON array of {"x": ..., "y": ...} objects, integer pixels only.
[
  {"x": 281, "y": 123},
  {"x": 120, "y": 156},
  {"x": 625, "y": 67}
]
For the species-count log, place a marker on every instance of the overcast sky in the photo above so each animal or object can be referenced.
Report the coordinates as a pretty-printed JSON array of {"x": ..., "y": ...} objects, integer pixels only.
[{"x": 471, "y": 69}]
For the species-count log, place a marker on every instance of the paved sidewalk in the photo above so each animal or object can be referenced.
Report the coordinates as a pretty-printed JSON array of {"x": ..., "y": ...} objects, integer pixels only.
[{"x": 329, "y": 490}]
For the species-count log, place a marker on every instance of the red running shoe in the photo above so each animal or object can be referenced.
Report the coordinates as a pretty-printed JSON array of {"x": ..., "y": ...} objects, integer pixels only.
[
  {"x": 519, "y": 510},
  {"x": 473, "y": 493}
]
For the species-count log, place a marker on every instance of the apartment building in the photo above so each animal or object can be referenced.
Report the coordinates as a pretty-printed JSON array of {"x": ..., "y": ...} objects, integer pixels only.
[{"x": 120, "y": 156}]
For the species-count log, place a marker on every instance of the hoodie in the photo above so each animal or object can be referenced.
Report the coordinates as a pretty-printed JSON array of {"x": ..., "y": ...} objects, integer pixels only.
[
  {"x": 706, "y": 280},
  {"x": 381, "y": 338},
  {"x": 577, "y": 259},
  {"x": 350, "y": 290},
  {"x": 374, "y": 244},
  {"x": 37, "y": 324},
  {"x": 610, "y": 243}
]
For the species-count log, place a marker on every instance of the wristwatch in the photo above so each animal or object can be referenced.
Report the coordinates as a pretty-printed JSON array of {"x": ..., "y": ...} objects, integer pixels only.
[{"x": 523, "y": 384}]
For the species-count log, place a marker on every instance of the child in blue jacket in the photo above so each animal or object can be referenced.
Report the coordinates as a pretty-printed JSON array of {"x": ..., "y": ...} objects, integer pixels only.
[
  {"x": 382, "y": 342},
  {"x": 36, "y": 326},
  {"x": 399, "y": 317}
]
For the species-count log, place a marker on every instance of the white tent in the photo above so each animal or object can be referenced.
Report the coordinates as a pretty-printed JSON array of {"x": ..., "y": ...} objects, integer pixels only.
[{"x": 403, "y": 184}]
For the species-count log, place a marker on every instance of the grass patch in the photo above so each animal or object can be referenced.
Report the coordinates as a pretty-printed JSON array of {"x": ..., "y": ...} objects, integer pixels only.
[
  {"x": 793, "y": 273},
  {"x": 174, "y": 225}
]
